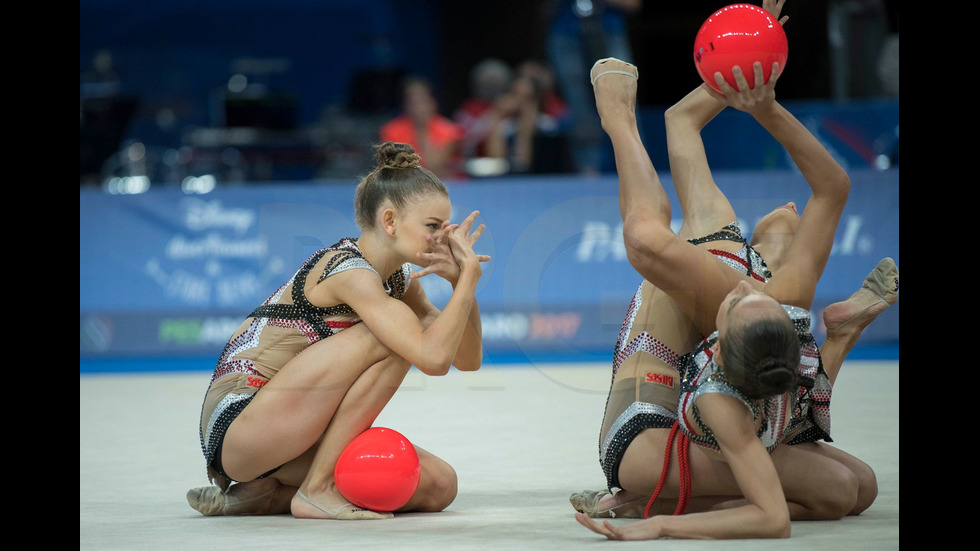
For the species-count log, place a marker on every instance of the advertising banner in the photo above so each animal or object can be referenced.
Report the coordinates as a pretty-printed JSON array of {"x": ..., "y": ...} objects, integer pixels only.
[{"x": 169, "y": 274}]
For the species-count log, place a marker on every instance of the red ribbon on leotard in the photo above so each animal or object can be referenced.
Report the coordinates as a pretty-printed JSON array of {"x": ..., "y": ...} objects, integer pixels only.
[{"x": 684, "y": 462}]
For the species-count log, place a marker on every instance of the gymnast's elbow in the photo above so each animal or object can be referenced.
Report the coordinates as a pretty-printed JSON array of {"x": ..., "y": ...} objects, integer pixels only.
[
  {"x": 435, "y": 366},
  {"x": 776, "y": 525}
]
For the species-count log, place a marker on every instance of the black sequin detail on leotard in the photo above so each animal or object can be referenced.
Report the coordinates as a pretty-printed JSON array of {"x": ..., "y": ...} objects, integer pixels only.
[{"x": 302, "y": 309}]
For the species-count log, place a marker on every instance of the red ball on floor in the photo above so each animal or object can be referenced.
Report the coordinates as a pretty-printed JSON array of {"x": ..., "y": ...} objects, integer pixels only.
[{"x": 378, "y": 470}]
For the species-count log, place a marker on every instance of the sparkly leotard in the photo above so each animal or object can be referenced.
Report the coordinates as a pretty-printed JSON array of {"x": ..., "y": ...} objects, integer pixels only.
[
  {"x": 658, "y": 408},
  {"x": 793, "y": 417},
  {"x": 273, "y": 333}
]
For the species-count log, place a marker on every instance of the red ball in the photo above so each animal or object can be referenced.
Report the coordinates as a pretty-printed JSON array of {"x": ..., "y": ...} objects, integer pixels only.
[
  {"x": 379, "y": 470},
  {"x": 739, "y": 34}
]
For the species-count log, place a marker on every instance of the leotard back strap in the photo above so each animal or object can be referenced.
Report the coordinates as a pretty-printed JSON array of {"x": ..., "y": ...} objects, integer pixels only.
[{"x": 302, "y": 309}]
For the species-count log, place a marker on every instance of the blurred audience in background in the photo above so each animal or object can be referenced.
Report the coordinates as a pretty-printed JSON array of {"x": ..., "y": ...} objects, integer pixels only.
[
  {"x": 435, "y": 138},
  {"x": 203, "y": 112},
  {"x": 552, "y": 104},
  {"x": 514, "y": 121},
  {"x": 489, "y": 80},
  {"x": 104, "y": 115},
  {"x": 511, "y": 136},
  {"x": 580, "y": 32},
  {"x": 528, "y": 130}
]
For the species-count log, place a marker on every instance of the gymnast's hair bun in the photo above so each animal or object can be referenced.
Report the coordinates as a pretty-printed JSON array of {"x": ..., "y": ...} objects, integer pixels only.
[
  {"x": 396, "y": 155},
  {"x": 776, "y": 376}
]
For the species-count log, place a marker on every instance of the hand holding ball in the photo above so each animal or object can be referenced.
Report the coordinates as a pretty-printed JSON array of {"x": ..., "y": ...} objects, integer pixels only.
[{"x": 739, "y": 34}]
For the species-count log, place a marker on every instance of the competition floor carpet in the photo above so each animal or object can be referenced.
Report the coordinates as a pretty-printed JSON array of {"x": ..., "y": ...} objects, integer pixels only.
[{"x": 521, "y": 437}]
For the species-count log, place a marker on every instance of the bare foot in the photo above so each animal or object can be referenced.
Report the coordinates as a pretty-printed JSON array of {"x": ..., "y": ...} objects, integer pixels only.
[
  {"x": 614, "y": 85},
  {"x": 331, "y": 505},
  {"x": 847, "y": 318},
  {"x": 258, "y": 497}
]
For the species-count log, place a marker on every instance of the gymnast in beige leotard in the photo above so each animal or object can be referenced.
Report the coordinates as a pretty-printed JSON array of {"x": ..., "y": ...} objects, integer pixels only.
[{"x": 313, "y": 366}]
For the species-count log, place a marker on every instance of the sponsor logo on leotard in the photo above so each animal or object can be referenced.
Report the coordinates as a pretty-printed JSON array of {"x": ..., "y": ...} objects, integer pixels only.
[{"x": 665, "y": 380}]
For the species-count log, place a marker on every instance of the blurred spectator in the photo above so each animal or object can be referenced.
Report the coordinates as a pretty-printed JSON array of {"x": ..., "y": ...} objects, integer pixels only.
[
  {"x": 552, "y": 104},
  {"x": 105, "y": 113},
  {"x": 523, "y": 133},
  {"x": 101, "y": 79},
  {"x": 435, "y": 138},
  {"x": 888, "y": 58},
  {"x": 581, "y": 32},
  {"x": 489, "y": 80}
]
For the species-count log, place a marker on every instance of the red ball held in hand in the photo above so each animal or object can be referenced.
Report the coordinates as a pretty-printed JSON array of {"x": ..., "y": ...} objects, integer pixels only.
[
  {"x": 379, "y": 470},
  {"x": 739, "y": 34}
]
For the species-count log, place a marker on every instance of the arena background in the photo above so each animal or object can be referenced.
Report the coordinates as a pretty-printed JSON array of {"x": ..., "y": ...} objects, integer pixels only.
[
  {"x": 227, "y": 208},
  {"x": 167, "y": 275},
  {"x": 220, "y": 145}
]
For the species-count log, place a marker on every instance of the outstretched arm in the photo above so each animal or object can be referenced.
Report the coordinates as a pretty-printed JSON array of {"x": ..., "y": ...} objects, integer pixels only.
[
  {"x": 764, "y": 513},
  {"x": 704, "y": 207},
  {"x": 808, "y": 252}
]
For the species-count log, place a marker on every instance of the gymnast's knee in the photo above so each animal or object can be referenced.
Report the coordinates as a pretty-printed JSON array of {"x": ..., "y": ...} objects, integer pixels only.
[
  {"x": 438, "y": 489},
  {"x": 839, "y": 497},
  {"x": 867, "y": 489}
]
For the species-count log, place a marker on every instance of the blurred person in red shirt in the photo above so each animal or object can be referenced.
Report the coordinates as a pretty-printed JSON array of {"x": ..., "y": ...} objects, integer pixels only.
[
  {"x": 490, "y": 80},
  {"x": 435, "y": 138}
]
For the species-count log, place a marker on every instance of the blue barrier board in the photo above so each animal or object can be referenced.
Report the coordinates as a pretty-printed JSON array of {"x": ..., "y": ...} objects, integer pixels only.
[{"x": 164, "y": 274}]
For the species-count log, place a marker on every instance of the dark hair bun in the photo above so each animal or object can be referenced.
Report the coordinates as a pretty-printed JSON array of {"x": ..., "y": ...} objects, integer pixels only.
[
  {"x": 776, "y": 376},
  {"x": 396, "y": 155}
]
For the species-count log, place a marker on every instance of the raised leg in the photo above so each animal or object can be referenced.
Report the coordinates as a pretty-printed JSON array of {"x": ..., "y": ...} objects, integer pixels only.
[
  {"x": 846, "y": 320},
  {"x": 640, "y": 189}
]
